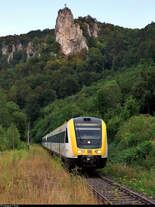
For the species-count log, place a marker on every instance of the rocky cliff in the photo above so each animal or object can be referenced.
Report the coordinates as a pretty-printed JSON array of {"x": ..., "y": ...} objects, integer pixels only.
[
  {"x": 29, "y": 49},
  {"x": 68, "y": 34}
]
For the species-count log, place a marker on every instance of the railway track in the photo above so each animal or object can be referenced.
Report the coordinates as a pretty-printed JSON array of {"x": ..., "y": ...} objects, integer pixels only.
[{"x": 109, "y": 192}]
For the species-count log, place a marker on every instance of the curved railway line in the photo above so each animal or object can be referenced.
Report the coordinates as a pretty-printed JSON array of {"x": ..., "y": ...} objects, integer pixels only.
[{"x": 109, "y": 192}]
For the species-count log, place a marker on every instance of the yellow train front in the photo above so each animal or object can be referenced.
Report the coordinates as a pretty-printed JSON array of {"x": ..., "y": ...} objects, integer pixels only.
[{"x": 81, "y": 141}]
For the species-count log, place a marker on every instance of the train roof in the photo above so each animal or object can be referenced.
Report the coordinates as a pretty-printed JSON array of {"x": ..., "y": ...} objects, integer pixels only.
[{"x": 86, "y": 118}]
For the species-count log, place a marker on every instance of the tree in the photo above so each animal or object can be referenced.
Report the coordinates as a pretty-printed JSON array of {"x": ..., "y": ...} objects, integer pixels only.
[
  {"x": 130, "y": 108},
  {"x": 12, "y": 137},
  {"x": 17, "y": 117},
  {"x": 109, "y": 96},
  {"x": 32, "y": 107},
  {"x": 4, "y": 114},
  {"x": 45, "y": 94},
  {"x": 144, "y": 90},
  {"x": 19, "y": 92},
  {"x": 2, "y": 138},
  {"x": 95, "y": 60}
]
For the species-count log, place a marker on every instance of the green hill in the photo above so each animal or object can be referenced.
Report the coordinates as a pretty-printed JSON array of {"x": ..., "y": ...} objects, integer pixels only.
[{"x": 114, "y": 80}]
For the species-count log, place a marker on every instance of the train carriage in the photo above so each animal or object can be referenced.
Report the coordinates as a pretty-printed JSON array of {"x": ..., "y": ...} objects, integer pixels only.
[{"x": 81, "y": 141}]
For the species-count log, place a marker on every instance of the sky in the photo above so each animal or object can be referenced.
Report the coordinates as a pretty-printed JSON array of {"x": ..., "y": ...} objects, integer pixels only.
[{"x": 22, "y": 16}]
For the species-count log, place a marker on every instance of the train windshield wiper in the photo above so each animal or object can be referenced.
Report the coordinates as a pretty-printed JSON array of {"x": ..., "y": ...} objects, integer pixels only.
[{"x": 78, "y": 134}]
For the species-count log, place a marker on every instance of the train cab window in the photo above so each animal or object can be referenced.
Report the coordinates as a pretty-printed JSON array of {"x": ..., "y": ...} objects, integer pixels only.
[
  {"x": 88, "y": 130},
  {"x": 66, "y": 137},
  {"x": 88, "y": 133}
]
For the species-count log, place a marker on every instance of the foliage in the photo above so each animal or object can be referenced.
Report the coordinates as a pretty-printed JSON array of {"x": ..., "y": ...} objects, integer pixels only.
[
  {"x": 130, "y": 108},
  {"x": 12, "y": 124},
  {"x": 134, "y": 142},
  {"x": 109, "y": 96},
  {"x": 10, "y": 138},
  {"x": 136, "y": 130},
  {"x": 144, "y": 149},
  {"x": 113, "y": 80},
  {"x": 144, "y": 89},
  {"x": 113, "y": 125}
]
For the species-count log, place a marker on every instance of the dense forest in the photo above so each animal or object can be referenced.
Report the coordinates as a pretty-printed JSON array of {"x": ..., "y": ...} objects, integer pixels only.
[{"x": 113, "y": 80}]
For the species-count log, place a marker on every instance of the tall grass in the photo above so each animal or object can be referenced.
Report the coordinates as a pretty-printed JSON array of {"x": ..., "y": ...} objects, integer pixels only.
[{"x": 33, "y": 177}]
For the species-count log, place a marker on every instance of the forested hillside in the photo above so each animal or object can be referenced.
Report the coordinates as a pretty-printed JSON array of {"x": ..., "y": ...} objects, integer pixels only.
[{"x": 114, "y": 80}]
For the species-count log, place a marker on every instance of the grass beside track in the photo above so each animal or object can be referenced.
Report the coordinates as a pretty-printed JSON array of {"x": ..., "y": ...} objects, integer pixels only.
[
  {"x": 136, "y": 177},
  {"x": 34, "y": 177}
]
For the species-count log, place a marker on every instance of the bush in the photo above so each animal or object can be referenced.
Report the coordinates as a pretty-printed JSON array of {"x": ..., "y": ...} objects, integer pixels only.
[
  {"x": 109, "y": 97},
  {"x": 2, "y": 139},
  {"x": 112, "y": 127},
  {"x": 119, "y": 155},
  {"x": 134, "y": 142},
  {"x": 136, "y": 130},
  {"x": 131, "y": 108},
  {"x": 140, "y": 154},
  {"x": 129, "y": 155},
  {"x": 10, "y": 138},
  {"x": 143, "y": 149}
]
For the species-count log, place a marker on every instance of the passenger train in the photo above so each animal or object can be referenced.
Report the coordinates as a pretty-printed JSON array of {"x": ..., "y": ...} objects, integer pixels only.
[{"x": 81, "y": 141}]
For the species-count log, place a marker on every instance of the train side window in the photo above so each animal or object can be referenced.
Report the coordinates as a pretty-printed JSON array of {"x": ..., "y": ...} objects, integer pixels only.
[
  {"x": 66, "y": 138},
  {"x": 61, "y": 137}
]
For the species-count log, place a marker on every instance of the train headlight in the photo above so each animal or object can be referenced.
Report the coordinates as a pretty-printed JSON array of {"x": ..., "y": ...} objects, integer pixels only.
[
  {"x": 98, "y": 151},
  {"x": 80, "y": 151}
]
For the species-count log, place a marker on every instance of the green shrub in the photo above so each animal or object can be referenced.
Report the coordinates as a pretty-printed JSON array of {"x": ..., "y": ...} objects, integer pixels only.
[
  {"x": 109, "y": 96},
  {"x": 113, "y": 126},
  {"x": 10, "y": 138},
  {"x": 2, "y": 139},
  {"x": 134, "y": 142},
  {"x": 142, "y": 154},
  {"x": 130, "y": 108},
  {"x": 129, "y": 155},
  {"x": 143, "y": 149},
  {"x": 136, "y": 130},
  {"x": 119, "y": 155}
]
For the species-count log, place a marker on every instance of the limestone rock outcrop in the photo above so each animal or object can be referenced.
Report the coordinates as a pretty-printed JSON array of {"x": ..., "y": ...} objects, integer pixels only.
[
  {"x": 68, "y": 34},
  {"x": 93, "y": 30},
  {"x": 29, "y": 50}
]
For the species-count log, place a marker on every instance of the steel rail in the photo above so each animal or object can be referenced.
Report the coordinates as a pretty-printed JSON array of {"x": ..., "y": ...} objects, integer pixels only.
[
  {"x": 140, "y": 197},
  {"x": 105, "y": 190},
  {"x": 101, "y": 198}
]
